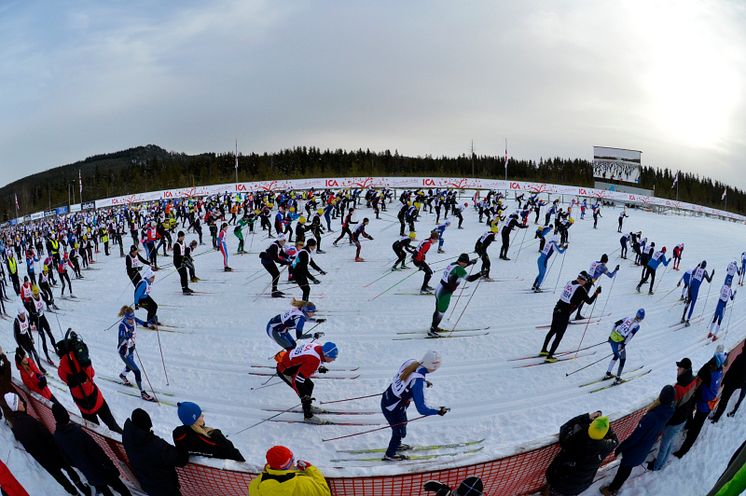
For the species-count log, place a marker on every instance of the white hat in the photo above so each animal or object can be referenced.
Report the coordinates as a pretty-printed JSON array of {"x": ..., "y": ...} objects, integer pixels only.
[
  {"x": 21, "y": 308},
  {"x": 147, "y": 273},
  {"x": 431, "y": 361},
  {"x": 280, "y": 236},
  {"x": 12, "y": 401}
]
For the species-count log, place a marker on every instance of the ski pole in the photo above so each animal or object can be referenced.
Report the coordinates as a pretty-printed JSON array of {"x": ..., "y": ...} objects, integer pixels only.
[
  {"x": 160, "y": 348},
  {"x": 460, "y": 293},
  {"x": 727, "y": 324},
  {"x": 560, "y": 272},
  {"x": 709, "y": 287},
  {"x": 589, "y": 365},
  {"x": 374, "y": 430},
  {"x": 266, "y": 420},
  {"x": 387, "y": 273},
  {"x": 467, "y": 305},
  {"x": 603, "y": 310},
  {"x": 590, "y": 315},
  {"x": 265, "y": 385},
  {"x": 349, "y": 399},
  {"x": 146, "y": 376},
  {"x": 393, "y": 286},
  {"x": 521, "y": 245},
  {"x": 659, "y": 280},
  {"x": 270, "y": 282},
  {"x": 666, "y": 295}
]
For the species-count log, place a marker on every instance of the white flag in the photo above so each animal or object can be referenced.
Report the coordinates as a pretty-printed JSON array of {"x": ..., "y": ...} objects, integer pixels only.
[
  {"x": 675, "y": 180},
  {"x": 725, "y": 192}
]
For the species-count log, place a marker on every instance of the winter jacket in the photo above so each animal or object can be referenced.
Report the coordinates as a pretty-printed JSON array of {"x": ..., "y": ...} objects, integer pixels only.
[
  {"x": 573, "y": 469},
  {"x": 736, "y": 374},
  {"x": 85, "y": 454},
  {"x": 153, "y": 460},
  {"x": 636, "y": 447},
  {"x": 5, "y": 383},
  {"x": 214, "y": 446},
  {"x": 79, "y": 379},
  {"x": 37, "y": 440},
  {"x": 309, "y": 482},
  {"x": 686, "y": 388},
  {"x": 10, "y": 486},
  {"x": 733, "y": 480},
  {"x": 34, "y": 379},
  {"x": 708, "y": 389}
]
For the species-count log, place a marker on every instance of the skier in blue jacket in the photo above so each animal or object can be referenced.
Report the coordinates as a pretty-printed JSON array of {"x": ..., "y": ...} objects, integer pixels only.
[
  {"x": 279, "y": 326},
  {"x": 143, "y": 299},
  {"x": 543, "y": 259},
  {"x": 698, "y": 275}
]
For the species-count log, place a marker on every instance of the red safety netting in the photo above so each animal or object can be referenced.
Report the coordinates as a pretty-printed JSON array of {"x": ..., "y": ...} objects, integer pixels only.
[{"x": 518, "y": 474}]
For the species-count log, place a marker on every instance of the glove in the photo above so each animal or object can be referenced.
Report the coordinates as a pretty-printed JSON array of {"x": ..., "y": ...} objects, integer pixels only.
[
  {"x": 320, "y": 320},
  {"x": 617, "y": 268},
  {"x": 598, "y": 290},
  {"x": 302, "y": 464},
  {"x": 323, "y": 273},
  {"x": 137, "y": 306},
  {"x": 42, "y": 381},
  {"x": 428, "y": 383},
  {"x": 316, "y": 281},
  {"x": 371, "y": 238},
  {"x": 317, "y": 335},
  {"x": 678, "y": 284},
  {"x": 323, "y": 370},
  {"x": 443, "y": 410}
]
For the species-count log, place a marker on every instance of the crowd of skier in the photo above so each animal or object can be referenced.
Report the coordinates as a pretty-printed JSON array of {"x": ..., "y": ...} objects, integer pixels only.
[{"x": 289, "y": 228}]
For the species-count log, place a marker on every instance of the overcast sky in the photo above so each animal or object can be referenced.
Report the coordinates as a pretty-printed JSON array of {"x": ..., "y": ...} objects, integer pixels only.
[{"x": 553, "y": 77}]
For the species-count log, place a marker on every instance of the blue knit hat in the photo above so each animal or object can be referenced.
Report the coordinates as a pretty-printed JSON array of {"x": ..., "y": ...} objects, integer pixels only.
[{"x": 188, "y": 412}]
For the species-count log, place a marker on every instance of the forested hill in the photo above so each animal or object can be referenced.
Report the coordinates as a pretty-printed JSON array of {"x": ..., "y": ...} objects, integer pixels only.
[{"x": 149, "y": 168}]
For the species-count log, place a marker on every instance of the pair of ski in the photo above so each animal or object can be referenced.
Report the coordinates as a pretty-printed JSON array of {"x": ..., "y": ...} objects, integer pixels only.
[
  {"x": 683, "y": 325},
  {"x": 329, "y": 375},
  {"x": 591, "y": 320},
  {"x": 628, "y": 377},
  {"x": 463, "y": 448},
  {"x": 559, "y": 357},
  {"x": 137, "y": 395},
  {"x": 446, "y": 334}
]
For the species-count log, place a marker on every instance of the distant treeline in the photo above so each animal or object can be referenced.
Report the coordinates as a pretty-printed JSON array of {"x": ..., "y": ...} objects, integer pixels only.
[{"x": 150, "y": 168}]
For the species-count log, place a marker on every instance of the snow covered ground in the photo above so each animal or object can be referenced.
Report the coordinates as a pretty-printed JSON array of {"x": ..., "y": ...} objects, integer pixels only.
[{"x": 220, "y": 333}]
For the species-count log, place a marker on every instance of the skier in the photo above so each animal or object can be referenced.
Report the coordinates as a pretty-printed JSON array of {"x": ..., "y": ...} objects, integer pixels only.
[
  {"x": 22, "y": 326},
  {"x": 726, "y": 293},
  {"x": 596, "y": 270},
  {"x": 622, "y": 215},
  {"x": 449, "y": 282},
  {"x": 32, "y": 377},
  {"x": 651, "y": 267},
  {"x": 418, "y": 259},
  {"x": 299, "y": 269},
  {"x": 279, "y": 326},
  {"x": 143, "y": 299},
  {"x": 573, "y": 293},
  {"x": 441, "y": 229},
  {"x": 62, "y": 272},
  {"x": 596, "y": 208},
  {"x": 297, "y": 367},
  {"x": 730, "y": 272},
  {"x": 480, "y": 248},
  {"x": 40, "y": 322},
  {"x": 543, "y": 260},
  {"x": 623, "y": 242},
  {"x": 623, "y": 332},
  {"x": 401, "y": 247},
  {"x": 346, "y": 227},
  {"x": 360, "y": 231},
  {"x": 698, "y": 275},
  {"x": 407, "y": 385},
  {"x": 126, "y": 349},
  {"x": 269, "y": 257},
  {"x": 686, "y": 278},
  {"x": 678, "y": 250},
  {"x": 178, "y": 254},
  {"x": 541, "y": 233},
  {"x": 505, "y": 233},
  {"x": 223, "y": 246},
  {"x": 743, "y": 268},
  {"x": 134, "y": 262}
]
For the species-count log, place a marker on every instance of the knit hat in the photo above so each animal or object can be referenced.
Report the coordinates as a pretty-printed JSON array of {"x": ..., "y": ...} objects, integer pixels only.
[
  {"x": 330, "y": 350},
  {"x": 719, "y": 359},
  {"x": 598, "y": 428},
  {"x": 60, "y": 414},
  {"x": 431, "y": 361},
  {"x": 667, "y": 396},
  {"x": 12, "y": 400},
  {"x": 279, "y": 458},
  {"x": 471, "y": 486},
  {"x": 188, "y": 412},
  {"x": 141, "y": 419},
  {"x": 147, "y": 273},
  {"x": 463, "y": 258}
]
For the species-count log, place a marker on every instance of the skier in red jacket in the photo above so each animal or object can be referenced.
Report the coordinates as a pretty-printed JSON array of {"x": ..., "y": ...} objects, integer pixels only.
[{"x": 298, "y": 366}]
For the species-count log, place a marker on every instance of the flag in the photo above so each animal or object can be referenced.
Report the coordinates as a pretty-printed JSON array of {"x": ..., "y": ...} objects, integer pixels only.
[
  {"x": 236, "y": 154},
  {"x": 675, "y": 180},
  {"x": 80, "y": 182},
  {"x": 725, "y": 192},
  {"x": 16, "y": 195},
  {"x": 506, "y": 156}
]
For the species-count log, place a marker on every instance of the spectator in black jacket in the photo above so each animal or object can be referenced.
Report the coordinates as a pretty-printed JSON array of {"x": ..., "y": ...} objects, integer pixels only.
[
  {"x": 586, "y": 441},
  {"x": 734, "y": 379},
  {"x": 196, "y": 438},
  {"x": 5, "y": 384},
  {"x": 86, "y": 455},
  {"x": 39, "y": 443},
  {"x": 153, "y": 460}
]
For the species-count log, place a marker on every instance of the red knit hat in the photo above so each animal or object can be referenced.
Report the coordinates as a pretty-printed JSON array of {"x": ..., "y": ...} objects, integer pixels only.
[{"x": 279, "y": 458}]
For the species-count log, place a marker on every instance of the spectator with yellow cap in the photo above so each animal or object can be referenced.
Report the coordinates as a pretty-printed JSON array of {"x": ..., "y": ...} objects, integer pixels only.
[
  {"x": 585, "y": 442},
  {"x": 285, "y": 476}
]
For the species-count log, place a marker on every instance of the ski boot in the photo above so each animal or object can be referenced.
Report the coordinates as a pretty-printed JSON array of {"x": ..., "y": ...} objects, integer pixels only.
[
  {"x": 187, "y": 291},
  {"x": 359, "y": 259},
  {"x": 227, "y": 269},
  {"x": 277, "y": 294},
  {"x": 618, "y": 380},
  {"x": 403, "y": 447},
  {"x": 146, "y": 396},
  {"x": 579, "y": 317},
  {"x": 549, "y": 359},
  {"x": 395, "y": 458},
  {"x": 440, "y": 250},
  {"x": 543, "y": 353},
  {"x": 608, "y": 375},
  {"x": 394, "y": 268},
  {"x": 404, "y": 267},
  {"x": 315, "y": 420},
  {"x": 124, "y": 380},
  {"x": 320, "y": 252}
]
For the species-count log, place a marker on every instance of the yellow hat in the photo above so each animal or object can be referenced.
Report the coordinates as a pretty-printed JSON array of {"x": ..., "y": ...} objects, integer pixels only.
[
  {"x": 302, "y": 220},
  {"x": 598, "y": 428},
  {"x": 494, "y": 229},
  {"x": 412, "y": 235},
  {"x": 320, "y": 211},
  {"x": 35, "y": 290}
]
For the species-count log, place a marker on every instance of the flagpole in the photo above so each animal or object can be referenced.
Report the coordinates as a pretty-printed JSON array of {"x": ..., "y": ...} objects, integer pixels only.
[
  {"x": 236, "y": 160},
  {"x": 506, "y": 159}
]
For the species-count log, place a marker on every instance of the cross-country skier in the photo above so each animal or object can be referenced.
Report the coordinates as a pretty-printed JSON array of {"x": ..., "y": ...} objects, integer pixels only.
[
  {"x": 178, "y": 254},
  {"x": 441, "y": 229},
  {"x": 134, "y": 263},
  {"x": 418, "y": 259},
  {"x": 743, "y": 268},
  {"x": 686, "y": 278},
  {"x": 596, "y": 270},
  {"x": 623, "y": 332},
  {"x": 596, "y": 208},
  {"x": 505, "y": 233},
  {"x": 22, "y": 334},
  {"x": 678, "y": 250},
  {"x": 279, "y": 326},
  {"x": 274, "y": 254},
  {"x": 659, "y": 257},
  {"x": 300, "y": 271},
  {"x": 401, "y": 247},
  {"x": 698, "y": 275},
  {"x": 623, "y": 242},
  {"x": 297, "y": 367},
  {"x": 726, "y": 293},
  {"x": 546, "y": 253},
  {"x": 143, "y": 299},
  {"x": 541, "y": 234},
  {"x": 573, "y": 293},
  {"x": 449, "y": 282},
  {"x": 731, "y": 272},
  {"x": 480, "y": 248},
  {"x": 622, "y": 215},
  {"x": 126, "y": 349},
  {"x": 346, "y": 227},
  {"x": 223, "y": 246},
  {"x": 360, "y": 231},
  {"x": 407, "y": 385},
  {"x": 39, "y": 320}
]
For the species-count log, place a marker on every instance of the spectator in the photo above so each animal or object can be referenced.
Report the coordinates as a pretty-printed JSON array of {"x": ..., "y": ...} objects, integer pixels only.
[
  {"x": 471, "y": 486},
  {"x": 153, "y": 460},
  {"x": 75, "y": 370},
  {"x": 283, "y": 475},
  {"x": 86, "y": 455},
  {"x": 734, "y": 379},
  {"x": 710, "y": 376},
  {"x": 636, "y": 447},
  {"x": 686, "y": 387},
  {"x": 5, "y": 384},
  {"x": 31, "y": 377},
  {"x": 39, "y": 443},
  {"x": 586, "y": 441},
  {"x": 733, "y": 480},
  {"x": 196, "y": 438}
]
